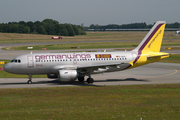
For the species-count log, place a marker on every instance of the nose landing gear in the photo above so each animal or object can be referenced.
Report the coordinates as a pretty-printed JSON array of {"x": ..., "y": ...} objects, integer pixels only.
[{"x": 30, "y": 79}]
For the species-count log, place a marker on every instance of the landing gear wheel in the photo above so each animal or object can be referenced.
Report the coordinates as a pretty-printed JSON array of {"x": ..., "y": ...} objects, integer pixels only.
[
  {"x": 29, "y": 82},
  {"x": 30, "y": 78},
  {"x": 90, "y": 80},
  {"x": 81, "y": 79}
]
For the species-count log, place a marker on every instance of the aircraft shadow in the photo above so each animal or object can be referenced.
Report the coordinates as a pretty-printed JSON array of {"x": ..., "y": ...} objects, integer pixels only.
[
  {"x": 52, "y": 82},
  {"x": 76, "y": 83},
  {"x": 127, "y": 79}
]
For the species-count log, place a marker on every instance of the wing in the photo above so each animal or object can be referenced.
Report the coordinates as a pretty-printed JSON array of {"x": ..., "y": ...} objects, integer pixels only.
[
  {"x": 96, "y": 68},
  {"x": 99, "y": 68}
]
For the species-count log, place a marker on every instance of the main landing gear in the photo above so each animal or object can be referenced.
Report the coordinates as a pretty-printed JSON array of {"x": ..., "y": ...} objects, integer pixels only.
[
  {"x": 81, "y": 79},
  {"x": 89, "y": 80},
  {"x": 30, "y": 79}
]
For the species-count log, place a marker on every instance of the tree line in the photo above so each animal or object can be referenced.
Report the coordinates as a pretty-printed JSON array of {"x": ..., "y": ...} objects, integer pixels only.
[
  {"x": 46, "y": 27},
  {"x": 130, "y": 26}
]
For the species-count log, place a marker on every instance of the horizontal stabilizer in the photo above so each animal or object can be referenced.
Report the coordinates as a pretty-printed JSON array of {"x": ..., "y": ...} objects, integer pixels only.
[{"x": 159, "y": 54}]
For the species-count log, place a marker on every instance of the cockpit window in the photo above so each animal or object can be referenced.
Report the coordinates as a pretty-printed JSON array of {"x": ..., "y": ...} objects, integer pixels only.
[
  {"x": 19, "y": 61},
  {"x": 16, "y": 60},
  {"x": 12, "y": 60}
]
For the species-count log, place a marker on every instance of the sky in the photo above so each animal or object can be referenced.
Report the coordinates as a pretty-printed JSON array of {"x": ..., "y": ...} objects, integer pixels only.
[{"x": 101, "y": 12}]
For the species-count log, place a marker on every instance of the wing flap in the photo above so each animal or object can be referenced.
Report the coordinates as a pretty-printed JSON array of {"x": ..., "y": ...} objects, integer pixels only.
[{"x": 116, "y": 65}]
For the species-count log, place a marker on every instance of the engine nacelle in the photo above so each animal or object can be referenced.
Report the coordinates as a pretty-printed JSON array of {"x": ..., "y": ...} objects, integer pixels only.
[
  {"x": 52, "y": 76},
  {"x": 67, "y": 75}
]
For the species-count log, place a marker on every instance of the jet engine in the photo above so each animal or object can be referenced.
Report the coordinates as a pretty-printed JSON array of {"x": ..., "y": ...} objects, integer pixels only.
[
  {"x": 52, "y": 76},
  {"x": 67, "y": 75}
]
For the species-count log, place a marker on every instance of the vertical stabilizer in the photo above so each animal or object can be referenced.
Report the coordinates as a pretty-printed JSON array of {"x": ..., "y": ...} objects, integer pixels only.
[{"x": 152, "y": 41}]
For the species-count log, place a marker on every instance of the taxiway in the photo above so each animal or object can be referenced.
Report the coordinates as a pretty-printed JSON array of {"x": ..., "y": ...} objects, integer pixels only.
[{"x": 155, "y": 73}]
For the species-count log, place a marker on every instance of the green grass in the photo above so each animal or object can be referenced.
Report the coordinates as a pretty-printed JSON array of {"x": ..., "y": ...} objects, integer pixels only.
[
  {"x": 171, "y": 40},
  {"x": 80, "y": 45},
  {"x": 133, "y": 102},
  {"x": 93, "y": 45}
]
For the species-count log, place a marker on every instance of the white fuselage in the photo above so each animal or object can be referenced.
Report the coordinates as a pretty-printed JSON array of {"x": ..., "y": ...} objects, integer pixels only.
[{"x": 47, "y": 63}]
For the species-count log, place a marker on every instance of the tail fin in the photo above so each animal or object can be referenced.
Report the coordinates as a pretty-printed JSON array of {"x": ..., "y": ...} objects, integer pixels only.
[{"x": 152, "y": 41}]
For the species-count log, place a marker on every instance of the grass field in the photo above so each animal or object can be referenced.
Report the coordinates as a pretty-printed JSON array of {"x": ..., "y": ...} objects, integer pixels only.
[
  {"x": 91, "y": 36},
  {"x": 134, "y": 102},
  {"x": 79, "y": 45},
  {"x": 131, "y": 102},
  {"x": 171, "y": 40}
]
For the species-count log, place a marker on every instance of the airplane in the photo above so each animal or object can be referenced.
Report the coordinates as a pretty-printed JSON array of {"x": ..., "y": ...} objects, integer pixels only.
[{"x": 71, "y": 66}]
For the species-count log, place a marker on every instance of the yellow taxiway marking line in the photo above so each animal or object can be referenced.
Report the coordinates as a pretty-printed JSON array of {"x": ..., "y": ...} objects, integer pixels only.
[{"x": 175, "y": 71}]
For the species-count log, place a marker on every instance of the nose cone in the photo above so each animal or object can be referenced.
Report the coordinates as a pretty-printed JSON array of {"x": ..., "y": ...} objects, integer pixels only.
[{"x": 7, "y": 68}]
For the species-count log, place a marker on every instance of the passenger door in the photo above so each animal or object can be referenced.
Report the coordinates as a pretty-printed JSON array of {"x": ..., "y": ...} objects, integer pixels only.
[{"x": 30, "y": 61}]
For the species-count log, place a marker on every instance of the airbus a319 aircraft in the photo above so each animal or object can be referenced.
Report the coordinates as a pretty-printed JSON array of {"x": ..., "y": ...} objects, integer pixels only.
[{"x": 72, "y": 66}]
